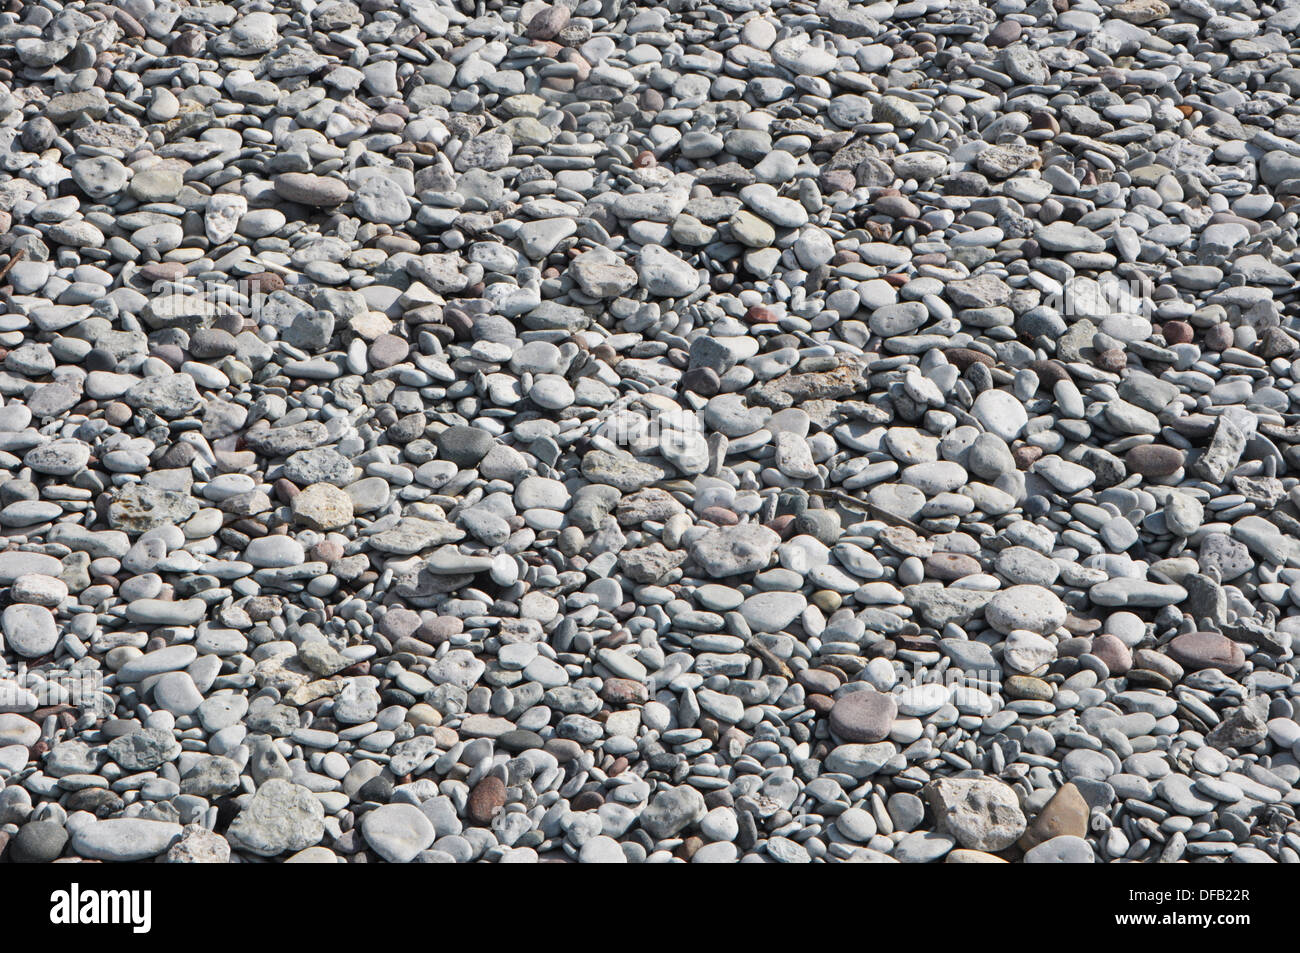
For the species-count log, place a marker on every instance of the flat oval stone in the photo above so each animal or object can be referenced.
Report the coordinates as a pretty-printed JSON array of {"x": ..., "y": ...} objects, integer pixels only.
[
  {"x": 124, "y": 839},
  {"x": 1201, "y": 650},
  {"x": 1027, "y": 607},
  {"x": 1154, "y": 460}
]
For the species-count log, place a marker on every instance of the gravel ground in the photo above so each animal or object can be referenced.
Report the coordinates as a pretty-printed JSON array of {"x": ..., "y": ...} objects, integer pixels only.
[{"x": 704, "y": 430}]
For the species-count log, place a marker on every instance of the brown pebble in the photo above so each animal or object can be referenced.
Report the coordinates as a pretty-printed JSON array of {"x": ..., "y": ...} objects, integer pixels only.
[
  {"x": 286, "y": 490},
  {"x": 1114, "y": 653},
  {"x": 1042, "y": 119},
  {"x": 1113, "y": 360},
  {"x": 689, "y": 846},
  {"x": 624, "y": 691},
  {"x": 1026, "y": 454},
  {"x": 963, "y": 357},
  {"x": 1274, "y": 342},
  {"x": 327, "y": 551},
  {"x": 439, "y": 629},
  {"x": 1065, "y": 814},
  {"x": 821, "y": 704},
  {"x": 1154, "y": 460},
  {"x": 1200, "y": 650},
  {"x": 782, "y": 525},
  {"x": 1176, "y": 332},
  {"x": 189, "y": 43},
  {"x": 818, "y": 680},
  {"x": 1050, "y": 373},
  {"x": 838, "y": 180},
  {"x": 948, "y": 567},
  {"x": 720, "y": 515},
  {"x": 487, "y": 798},
  {"x": 162, "y": 271},
  {"x": 265, "y": 282}
]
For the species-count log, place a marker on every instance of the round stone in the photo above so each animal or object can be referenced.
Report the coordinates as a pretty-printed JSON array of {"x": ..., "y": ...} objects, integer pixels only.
[
  {"x": 1028, "y": 607},
  {"x": 29, "y": 630},
  {"x": 863, "y": 716}
]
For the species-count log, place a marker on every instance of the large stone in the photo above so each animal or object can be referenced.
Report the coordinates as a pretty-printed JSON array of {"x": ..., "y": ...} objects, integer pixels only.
[
  {"x": 731, "y": 550},
  {"x": 865, "y": 715},
  {"x": 314, "y": 190},
  {"x": 29, "y": 630},
  {"x": 672, "y": 811},
  {"x": 124, "y": 839},
  {"x": 1199, "y": 650},
  {"x": 138, "y": 508},
  {"x": 397, "y": 832},
  {"x": 982, "y": 813},
  {"x": 1031, "y": 608},
  {"x": 143, "y": 750},
  {"x": 322, "y": 506},
  {"x": 664, "y": 274},
  {"x": 280, "y": 816}
]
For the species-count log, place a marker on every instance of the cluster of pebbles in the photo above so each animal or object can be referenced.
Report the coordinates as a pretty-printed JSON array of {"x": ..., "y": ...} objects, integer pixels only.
[{"x": 628, "y": 431}]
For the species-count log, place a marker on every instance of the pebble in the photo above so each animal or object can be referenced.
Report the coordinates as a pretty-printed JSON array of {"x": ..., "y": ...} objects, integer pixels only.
[
  {"x": 397, "y": 832},
  {"x": 122, "y": 839},
  {"x": 587, "y": 431},
  {"x": 865, "y": 715}
]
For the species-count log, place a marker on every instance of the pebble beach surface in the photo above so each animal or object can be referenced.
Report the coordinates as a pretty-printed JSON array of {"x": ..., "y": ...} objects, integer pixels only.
[{"x": 635, "y": 432}]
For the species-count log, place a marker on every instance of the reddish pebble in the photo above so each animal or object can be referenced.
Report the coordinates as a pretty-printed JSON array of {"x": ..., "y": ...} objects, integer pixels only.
[
  {"x": 1026, "y": 454},
  {"x": 162, "y": 271},
  {"x": 783, "y": 526},
  {"x": 487, "y": 798},
  {"x": 821, "y": 704},
  {"x": 624, "y": 691},
  {"x": 948, "y": 567},
  {"x": 838, "y": 180},
  {"x": 327, "y": 551},
  {"x": 1114, "y": 653},
  {"x": 265, "y": 282},
  {"x": 286, "y": 490},
  {"x": 1198, "y": 650},
  {"x": 1177, "y": 332},
  {"x": 720, "y": 515},
  {"x": 549, "y": 22},
  {"x": 1113, "y": 360}
]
